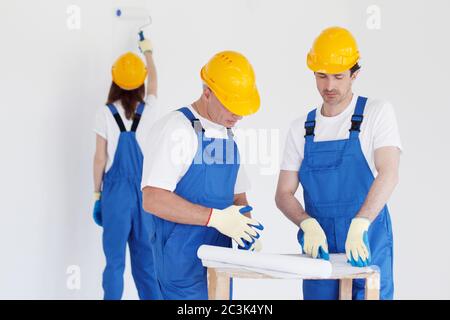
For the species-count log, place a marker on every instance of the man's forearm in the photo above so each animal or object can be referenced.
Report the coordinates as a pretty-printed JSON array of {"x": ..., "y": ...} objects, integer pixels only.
[
  {"x": 291, "y": 208},
  {"x": 169, "y": 206},
  {"x": 378, "y": 195}
]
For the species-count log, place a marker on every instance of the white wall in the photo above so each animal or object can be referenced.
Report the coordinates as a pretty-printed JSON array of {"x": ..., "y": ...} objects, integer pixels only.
[{"x": 53, "y": 78}]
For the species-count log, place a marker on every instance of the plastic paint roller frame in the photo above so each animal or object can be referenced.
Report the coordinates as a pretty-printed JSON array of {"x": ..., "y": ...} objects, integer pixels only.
[{"x": 134, "y": 13}]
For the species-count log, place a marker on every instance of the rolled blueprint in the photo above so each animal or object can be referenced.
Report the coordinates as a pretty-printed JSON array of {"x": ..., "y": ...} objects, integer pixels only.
[{"x": 298, "y": 265}]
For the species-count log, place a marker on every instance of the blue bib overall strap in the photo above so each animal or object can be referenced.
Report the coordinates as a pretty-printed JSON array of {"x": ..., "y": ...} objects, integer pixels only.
[
  {"x": 209, "y": 182},
  {"x": 336, "y": 179},
  {"x": 136, "y": 120},
  {"x": 358, "y": 117},
  {"x": 196, "y": 124},
  {"x": 137, "y": 116},
  {"x": 310, "y": 125},
  {"x": 124, "y": 220}
]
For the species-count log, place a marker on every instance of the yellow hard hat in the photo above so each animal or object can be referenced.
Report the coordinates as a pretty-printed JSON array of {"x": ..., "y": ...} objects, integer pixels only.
[
  {"x": 230, "y": 76},
  {"x": 129, "y": 71},
  {"x": 334, "y": 51}
]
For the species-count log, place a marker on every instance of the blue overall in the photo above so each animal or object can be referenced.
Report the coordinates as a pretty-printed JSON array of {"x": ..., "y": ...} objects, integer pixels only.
[
  {"x": 336, "y": 179},
  {"x": 124, "y": 219},
  {"x": 209, "y": 182}
]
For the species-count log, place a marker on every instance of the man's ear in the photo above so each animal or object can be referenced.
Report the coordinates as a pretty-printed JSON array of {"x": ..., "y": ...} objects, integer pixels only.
[
  {"x": 355, "y": 75},
  {"x": 207, "y": 92}
]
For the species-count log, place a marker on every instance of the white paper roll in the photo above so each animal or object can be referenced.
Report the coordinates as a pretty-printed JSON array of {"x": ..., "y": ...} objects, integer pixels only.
[{"x": 303, "y": 266}]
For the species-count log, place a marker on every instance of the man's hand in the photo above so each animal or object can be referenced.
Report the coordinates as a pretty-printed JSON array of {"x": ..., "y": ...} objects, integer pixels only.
[
  {"x": 357, "y": 243},
  {"x": 314, "y": 240},
  {"x": 232, "y": 223}
]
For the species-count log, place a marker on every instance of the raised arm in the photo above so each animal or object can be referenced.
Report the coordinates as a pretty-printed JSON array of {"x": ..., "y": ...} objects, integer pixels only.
[{"x": 152, "y": 79}]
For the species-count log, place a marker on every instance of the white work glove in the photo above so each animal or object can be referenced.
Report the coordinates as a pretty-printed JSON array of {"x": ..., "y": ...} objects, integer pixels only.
[
  {"x": 233, "y": 224},
  {"x": 145, "y": 45},
  {"x": 314, "y": 240}
]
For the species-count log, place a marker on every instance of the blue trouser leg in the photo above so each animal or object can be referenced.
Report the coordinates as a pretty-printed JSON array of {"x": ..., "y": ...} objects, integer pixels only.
[
  {"x": 192, "y": 290},
  {"x": 381, "y": 244},
  {"x": 141, "y": 254},
  {"x": 182, "y": 275},
  {"x": 116, "y": 230},
  {"x": 320, "y": 289}
]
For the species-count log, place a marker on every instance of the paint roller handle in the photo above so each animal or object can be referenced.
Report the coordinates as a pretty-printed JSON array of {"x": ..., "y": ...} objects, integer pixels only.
[{"x": 141, "y": 36}]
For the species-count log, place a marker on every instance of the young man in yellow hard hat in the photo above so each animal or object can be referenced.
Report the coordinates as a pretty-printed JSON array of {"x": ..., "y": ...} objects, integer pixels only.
[
  {"x": 346, "y": 156},
  {"x": 192, "y": 182}
]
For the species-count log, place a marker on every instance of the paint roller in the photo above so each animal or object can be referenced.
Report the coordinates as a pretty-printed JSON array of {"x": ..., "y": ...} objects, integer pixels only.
[{"x": 134, "y": 14}]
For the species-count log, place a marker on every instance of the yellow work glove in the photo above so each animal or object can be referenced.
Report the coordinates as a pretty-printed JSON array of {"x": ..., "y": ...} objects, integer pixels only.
[
  {"x": 314, "y": 240},
  {"x": 145, "y": 45},
  {"x": 357, "y": 244},
  {"x": 96, "y": 196},
  {"x": 256, "y": 246},
  {"x": 233, "y": 224}
]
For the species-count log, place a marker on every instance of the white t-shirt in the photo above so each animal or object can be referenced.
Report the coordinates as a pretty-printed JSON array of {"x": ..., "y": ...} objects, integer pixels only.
[
  {"x": 106, "y": 126},
  {"x": 171, "y": 146},
  {"x": 378, "y": 129}
]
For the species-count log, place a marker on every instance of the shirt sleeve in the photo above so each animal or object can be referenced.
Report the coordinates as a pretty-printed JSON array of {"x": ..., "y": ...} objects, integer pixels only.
[
  {"x": 168, "y": 152},
  {"x": 386, "y": 132},
  {"x": 293, "y": 149},
  {"x": 242, "y": 181},
  {"x": 100, "y": 122}
]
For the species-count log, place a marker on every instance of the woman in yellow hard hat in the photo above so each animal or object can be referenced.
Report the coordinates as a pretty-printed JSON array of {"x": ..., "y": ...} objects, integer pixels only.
[{"x": 121, "y": 127}]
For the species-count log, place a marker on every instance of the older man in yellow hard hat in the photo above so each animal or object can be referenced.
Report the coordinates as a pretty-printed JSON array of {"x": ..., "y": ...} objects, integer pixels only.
[
  {"x": 192, "y": 181},
  {"x": 346, "y": 155}
]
